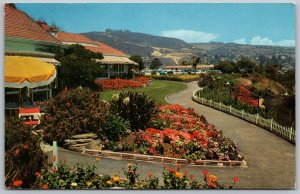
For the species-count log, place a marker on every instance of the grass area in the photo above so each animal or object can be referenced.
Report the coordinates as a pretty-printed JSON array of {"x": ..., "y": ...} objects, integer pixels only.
[{"x": 158, "y": 91}]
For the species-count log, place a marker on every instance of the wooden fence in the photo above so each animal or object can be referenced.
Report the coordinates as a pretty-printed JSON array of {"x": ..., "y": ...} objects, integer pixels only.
[{"x": 287, "y": 133}]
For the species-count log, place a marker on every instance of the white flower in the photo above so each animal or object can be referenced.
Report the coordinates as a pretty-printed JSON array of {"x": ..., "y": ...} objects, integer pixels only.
[
  {"x": 115, "y": 97},
  {"x": 73, "y": 184},
  {"x": 126, "y": 100}
]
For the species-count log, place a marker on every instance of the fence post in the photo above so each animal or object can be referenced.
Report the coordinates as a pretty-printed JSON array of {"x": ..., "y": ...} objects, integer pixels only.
[
  {"x": 210, "y": 102},
  {"x": 55, "y": 155},
  {"x": 220, "y": 106},
  {"x": 230, "y": 109},
  {"x": 271, "y": 124},
  {"x": 242, "y": 113},
  {"x": 256, "y": 118},
  {"x": 291, "y": 129}
]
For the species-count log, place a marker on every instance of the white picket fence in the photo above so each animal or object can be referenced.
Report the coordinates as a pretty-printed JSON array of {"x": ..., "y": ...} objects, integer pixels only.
[{"x": 287, "y": 133}]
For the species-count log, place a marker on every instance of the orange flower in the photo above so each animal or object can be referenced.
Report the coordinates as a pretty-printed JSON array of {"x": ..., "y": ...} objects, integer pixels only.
[
  {"x": 191, "y": 177},
  {"x": 17, "y": 183},
  {"x": 45, "y": 186},
  {"x": 178, "y": 166},
  {"x": 116, "y": 178},
  {"x": 129, "y": 164},
  {"x": 17, "y": 152},
  {"x": 54, "y": 170},
  {"x": 178, "y": 175},
  {"x": 205, "y": 172},
  {"x": 37, "y": 174},
  {"x": 97, "y": 158},
  {"x": 54, "y": 158},
  {"x": 212, "y": 178},
  {"x": 185, "y": 171}
]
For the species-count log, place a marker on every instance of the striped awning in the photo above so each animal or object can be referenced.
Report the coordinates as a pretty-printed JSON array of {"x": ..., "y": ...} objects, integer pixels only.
[{"x": 109, "y": 60}]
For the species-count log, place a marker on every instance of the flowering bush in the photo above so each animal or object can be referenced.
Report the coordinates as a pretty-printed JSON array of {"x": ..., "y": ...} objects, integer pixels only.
[
  {"x": 85, "y": 178},
  {"x": 110, "y": 84},
  {"x": 182, "y": 133},
  {"x": 23, "y": 155},
  {"x": 142, "y": 79},
  {"x": 137, "y": 108},
  {"x": 245, "y": 96},
  {"x": 73, "y": 112}
]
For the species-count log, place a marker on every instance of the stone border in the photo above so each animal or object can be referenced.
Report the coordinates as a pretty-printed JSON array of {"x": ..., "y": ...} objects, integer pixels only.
[{"x": 164, "y": 160}]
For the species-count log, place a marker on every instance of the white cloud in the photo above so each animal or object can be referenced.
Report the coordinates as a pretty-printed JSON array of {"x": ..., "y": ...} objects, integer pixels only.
[
  {"x": 191, "y": 36},
  {"x": 257, "y": 40},
  {"x": 240, "y": 41}
]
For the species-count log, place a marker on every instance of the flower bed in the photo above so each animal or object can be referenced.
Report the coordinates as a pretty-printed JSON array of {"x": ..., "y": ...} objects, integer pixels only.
[
  {"x": 111, "y": 84},
  {"x": 179, "y": 133},
  {"x": 142, "y": 79},
  {"x": 181, "y": 78}
]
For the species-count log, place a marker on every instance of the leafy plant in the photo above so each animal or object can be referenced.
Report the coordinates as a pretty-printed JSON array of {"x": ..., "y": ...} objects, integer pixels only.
[
  {"x": 23, "y": 155},
  {"x": 137, "y": 108},
  {"x": 73, "y": 112},
  {"x": 115, "y": 127}
]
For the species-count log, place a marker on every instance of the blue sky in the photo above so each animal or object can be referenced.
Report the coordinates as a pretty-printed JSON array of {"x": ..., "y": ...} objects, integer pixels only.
[{"x": 258, "y": 24}]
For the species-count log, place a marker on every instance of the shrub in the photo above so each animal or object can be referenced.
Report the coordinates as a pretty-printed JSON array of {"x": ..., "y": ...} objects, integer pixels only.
[
  {"x": 180, "y": 78},
  {"x": 23, "y": 155},
  {"x": 137, "y": 108},
  {"x": 115, "y": 127},
  {"x": 110, "y": 84},
  {"x": 73, "y": 112}
]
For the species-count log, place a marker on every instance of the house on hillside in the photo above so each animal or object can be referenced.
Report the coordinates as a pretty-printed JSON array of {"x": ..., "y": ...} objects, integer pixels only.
[
  {"x": 28, "y": 45},
  {"x": 115, "y": 63},
  {"x": 199, "y": 67}
]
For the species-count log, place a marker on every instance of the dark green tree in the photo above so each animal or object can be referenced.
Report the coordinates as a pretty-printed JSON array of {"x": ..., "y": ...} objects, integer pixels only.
[
  {"x": 195, "y": 62},
  {"x": 155, "y": 63},
  {"x": 78, "y": 67},
  {"x": 246, "y": 65},
  {"x": 138, "y": 59},
  {"x": 225, "y": 66}
]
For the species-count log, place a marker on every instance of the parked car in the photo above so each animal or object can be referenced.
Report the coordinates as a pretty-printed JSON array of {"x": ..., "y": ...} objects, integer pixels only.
[{"x": 162, "y": 72}]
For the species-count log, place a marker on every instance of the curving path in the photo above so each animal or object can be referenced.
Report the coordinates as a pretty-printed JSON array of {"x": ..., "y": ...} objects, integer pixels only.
[{"x": 270, "y": 159}]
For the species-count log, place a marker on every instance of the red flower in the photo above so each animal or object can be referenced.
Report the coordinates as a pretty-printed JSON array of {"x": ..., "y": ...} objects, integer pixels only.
[
  {"x": 185, "y": 171},
  {"x": 25, "y": 147},
  {"x": 17, "y": 183},
  {"x": 178, "y": 166},
  {"x": 211, "y": 184},
  {"x": 68, "y": 104},
  {"x": 37, "y": 174},
  {"x": 191, "y": 177},
  {"x": 45, "y": 186},
  {"x": 172, "y": 170},
  {"x": 17, "y": 152},
  {"x": 150, "y": 175},
  {"x": 54, "y": 170},
  {"x": 164, "y": 166},
  {"x": 205, "y": 172},
  {"x": 54, "y": 158},
  {"x": 236, "y": 179}
]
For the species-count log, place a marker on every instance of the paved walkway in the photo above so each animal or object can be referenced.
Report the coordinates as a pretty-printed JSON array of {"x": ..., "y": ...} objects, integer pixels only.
[{"x": 270, "y": 159}]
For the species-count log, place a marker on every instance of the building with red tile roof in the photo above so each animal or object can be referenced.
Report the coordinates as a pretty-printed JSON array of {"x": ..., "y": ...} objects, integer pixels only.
[{"x": 116, "y": 63}]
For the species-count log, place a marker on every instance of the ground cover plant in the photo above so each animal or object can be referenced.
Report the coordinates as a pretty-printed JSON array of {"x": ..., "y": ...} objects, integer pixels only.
[{"x": 81, "y": 177}]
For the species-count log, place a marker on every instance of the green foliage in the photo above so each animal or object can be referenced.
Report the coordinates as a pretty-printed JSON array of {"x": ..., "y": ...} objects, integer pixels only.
[
  {"x": 115, "y": 127},
  {"x": 137, "y": 108},
  {"x": 23, "y": 155},
  {"x": 73, "y": 112},
  {"x": 78, "y": 67},
  {"x": 226, "y": 66},
  {"x": 138, "y": 59},
  {"x": 155, "y": 63},
  {"x": 245, "y": 65}
]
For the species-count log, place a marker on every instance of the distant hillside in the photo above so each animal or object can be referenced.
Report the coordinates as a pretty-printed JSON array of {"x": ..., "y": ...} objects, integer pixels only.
[{"x": 172, "y": 51}]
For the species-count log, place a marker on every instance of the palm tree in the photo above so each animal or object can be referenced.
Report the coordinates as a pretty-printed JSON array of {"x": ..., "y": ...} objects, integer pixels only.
[{"x": 196, "y": 60}]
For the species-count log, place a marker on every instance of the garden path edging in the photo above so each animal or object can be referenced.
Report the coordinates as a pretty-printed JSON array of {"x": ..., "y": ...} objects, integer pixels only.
[{"x": 164, "y": 160}]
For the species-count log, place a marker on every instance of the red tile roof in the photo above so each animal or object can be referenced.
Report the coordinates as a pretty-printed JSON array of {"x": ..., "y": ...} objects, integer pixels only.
[
  {"x": 70, "y": 37},
  {"x": 78, "y": 38},
  {"x": 19, "y": 25}
]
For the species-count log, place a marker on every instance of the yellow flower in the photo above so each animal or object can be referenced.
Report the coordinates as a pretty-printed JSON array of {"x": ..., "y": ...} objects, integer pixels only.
[
  {"x": 178, "y": 175},
  {"x": 109, "y": 182},
  {"x": 126, "y": 100},
  {"x": 73, "y": 184},
  {"x": 115, "y": 97},
  {"x": 116, "y": 178},
  {"x": 89, "y": 183},
  {"x": 212, "y": 178}
]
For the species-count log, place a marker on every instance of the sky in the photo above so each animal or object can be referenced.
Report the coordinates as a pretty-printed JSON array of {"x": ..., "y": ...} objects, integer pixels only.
[{"x": 256, "y": 24}]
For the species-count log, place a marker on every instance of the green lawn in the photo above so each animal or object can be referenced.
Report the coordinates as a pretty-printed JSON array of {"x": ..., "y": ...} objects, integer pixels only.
[{"x": 158, "y": 91}]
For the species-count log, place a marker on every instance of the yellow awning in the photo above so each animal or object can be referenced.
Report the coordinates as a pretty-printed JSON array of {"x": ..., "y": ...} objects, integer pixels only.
[{"x": 23, "y": 71}]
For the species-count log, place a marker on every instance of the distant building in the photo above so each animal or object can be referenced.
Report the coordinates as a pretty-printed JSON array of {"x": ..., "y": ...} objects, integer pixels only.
[
  {"x": 115, "y": 63},
  {"x": 189, "y": 67}
]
